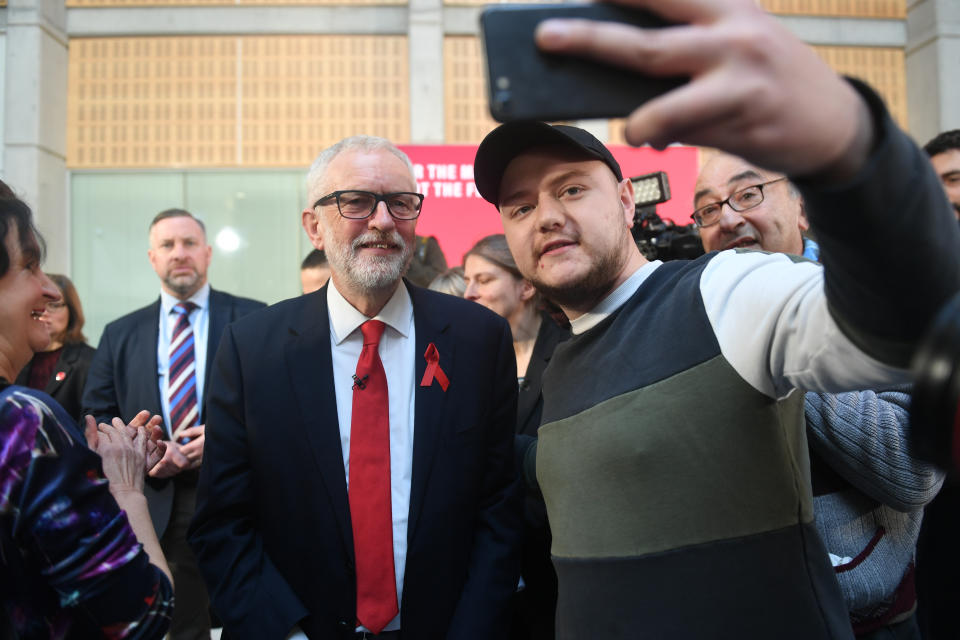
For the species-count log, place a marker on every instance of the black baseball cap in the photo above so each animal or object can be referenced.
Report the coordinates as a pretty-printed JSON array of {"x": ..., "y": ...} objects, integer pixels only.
[{"x": 509, "y": 140}]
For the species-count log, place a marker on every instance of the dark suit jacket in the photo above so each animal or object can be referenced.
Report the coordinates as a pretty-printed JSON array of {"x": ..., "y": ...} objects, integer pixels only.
[
  {"x": 123, "y": 376},
  {"x": 272, "y": 529},
  {"x": 73, "y": 363},
  {"x": 536, "y": 606},
  {"x": 530, "y": 400}
]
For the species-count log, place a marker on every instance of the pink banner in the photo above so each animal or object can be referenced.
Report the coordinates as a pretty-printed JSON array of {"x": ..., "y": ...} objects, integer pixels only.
[{"x": 456, "y": 214}]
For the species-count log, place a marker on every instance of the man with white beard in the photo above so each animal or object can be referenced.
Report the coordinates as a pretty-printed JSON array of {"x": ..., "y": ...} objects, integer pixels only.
[{"x": 405, "y": 396}]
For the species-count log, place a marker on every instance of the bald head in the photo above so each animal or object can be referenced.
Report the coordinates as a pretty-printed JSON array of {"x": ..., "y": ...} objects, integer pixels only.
[{"x": 776, "y": 224}]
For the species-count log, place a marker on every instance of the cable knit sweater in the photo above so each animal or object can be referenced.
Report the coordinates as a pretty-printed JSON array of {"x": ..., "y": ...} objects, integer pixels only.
[{"x": 870, "y": 517}]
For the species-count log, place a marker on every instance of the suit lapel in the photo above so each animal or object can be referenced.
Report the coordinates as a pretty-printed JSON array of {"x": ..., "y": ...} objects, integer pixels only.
[
  {"x": 310, "y": 368},
  {"x": 219, "y": 315},
  {"x": 549, "y": 336},
  {"x": 148, "y": 335},
  {"x": 430, "y": 404}
]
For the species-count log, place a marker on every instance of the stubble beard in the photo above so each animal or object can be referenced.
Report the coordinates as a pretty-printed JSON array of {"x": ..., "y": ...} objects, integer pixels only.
[
  {"x": 370, "y": 273},
  {"x": 584, "y": 293},
  {"x": 183, "y": 286}
]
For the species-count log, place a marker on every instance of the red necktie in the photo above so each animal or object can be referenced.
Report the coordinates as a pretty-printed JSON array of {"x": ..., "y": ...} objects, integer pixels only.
[{"x": 369, "y": 493}]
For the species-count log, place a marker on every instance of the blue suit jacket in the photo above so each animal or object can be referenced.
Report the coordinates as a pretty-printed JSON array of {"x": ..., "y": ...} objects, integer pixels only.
[
  {"x": 272, "y": 529},
  {"x": 122, "y": 379}
]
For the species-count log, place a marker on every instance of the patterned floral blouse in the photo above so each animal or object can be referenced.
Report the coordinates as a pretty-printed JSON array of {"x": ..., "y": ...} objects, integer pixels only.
[{"x": 70, "y": 565}]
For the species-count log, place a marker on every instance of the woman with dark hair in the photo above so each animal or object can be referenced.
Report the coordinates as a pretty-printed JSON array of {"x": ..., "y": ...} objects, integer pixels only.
[
  {"x": 76, "y": 539},
  {"x": 493, "y": 280},
  {"x": 61, "y": 368}
]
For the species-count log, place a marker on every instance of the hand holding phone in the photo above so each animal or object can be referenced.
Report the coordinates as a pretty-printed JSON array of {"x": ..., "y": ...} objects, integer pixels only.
[{"x": 755, "y": 90}]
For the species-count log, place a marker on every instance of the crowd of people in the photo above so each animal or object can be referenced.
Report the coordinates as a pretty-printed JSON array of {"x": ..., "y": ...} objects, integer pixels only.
[{"x": 557, "y": 438}]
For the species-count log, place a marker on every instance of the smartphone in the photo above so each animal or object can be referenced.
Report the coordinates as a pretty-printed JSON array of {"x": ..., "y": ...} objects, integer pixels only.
[{"x": 523, "y": 83}]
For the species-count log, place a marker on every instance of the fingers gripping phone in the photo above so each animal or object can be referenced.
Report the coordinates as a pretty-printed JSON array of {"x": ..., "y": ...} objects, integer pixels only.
[{"x": 523, "y": 83}]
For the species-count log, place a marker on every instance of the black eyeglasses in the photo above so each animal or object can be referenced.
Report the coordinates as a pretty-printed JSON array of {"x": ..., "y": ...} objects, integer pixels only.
[
  {"x": 741, "y": 200},
  {"x": 357, "y": 205}
]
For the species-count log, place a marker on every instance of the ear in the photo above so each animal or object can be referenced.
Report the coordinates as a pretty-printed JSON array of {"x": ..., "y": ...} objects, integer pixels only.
[
  {"x": 527, "y": 290},
  {"x": 311, "y": 224},
  {"x": 209, "y": 253},
  {"x": 625, "y": 191},
  {"x": 802, "y": 220}
]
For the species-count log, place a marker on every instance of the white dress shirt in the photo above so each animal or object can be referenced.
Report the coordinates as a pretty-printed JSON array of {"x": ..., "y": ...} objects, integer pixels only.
[
  {"x": 200, "y": 323},
  {"x": 397, "y": 352}
]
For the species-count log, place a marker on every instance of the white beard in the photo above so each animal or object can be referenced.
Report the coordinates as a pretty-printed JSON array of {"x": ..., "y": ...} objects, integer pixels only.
[{"x": 365, "y": 272}]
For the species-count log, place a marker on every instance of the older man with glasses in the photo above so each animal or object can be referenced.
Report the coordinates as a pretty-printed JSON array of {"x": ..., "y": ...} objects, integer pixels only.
[
  {"x": 359, "y": 477},
  {"x": 741, "y": 206}
]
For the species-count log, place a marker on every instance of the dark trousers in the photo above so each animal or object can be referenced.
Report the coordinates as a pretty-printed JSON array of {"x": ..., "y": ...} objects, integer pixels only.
[
  {"x": 191, "y": 619},
  {"x": 938, "y": 565},
  {"x": 905, "y": 630}
]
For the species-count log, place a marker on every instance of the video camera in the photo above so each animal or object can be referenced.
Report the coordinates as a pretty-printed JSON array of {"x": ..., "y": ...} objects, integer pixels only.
[{"x": 660, "y": 239}]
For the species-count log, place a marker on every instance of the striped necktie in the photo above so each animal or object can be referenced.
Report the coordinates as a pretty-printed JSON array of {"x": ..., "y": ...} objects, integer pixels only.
[{"x": 182, "y": 372}]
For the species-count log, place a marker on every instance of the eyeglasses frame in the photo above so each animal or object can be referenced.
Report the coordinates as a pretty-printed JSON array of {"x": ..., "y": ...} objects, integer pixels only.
[
  {"x": 732, "y": 206},
  {"x": 377, "y": 199}
]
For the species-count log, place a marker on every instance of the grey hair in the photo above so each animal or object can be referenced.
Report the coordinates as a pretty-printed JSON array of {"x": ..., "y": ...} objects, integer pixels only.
[{"x": 362, "y": 143}]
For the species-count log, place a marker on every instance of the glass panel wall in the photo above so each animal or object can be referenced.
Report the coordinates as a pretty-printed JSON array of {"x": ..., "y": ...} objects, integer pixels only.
[{"x": 252, "y": 220}]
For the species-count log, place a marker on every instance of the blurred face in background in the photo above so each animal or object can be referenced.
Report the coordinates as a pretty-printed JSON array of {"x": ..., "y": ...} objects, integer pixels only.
[
  {"x": 313, "y": 278},
  {"x": 947, "y": 166},
  {"x": 180, "y": 255},
  {"x": 494, "y": 287},
  {"x": 57, "y": 318}
]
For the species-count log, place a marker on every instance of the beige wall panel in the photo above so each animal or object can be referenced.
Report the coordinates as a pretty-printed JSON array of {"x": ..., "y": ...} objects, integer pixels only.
[
  {"x": 465, "y": 98},
  {"x": 139, "y": 102},
  {"x": 884, "y": 69},
  {"x": 197, "y": 3},
  {"x": 303, "y": 93},
  {"x": 253, "y": 101},
  {"x": 851, "y": 8}
]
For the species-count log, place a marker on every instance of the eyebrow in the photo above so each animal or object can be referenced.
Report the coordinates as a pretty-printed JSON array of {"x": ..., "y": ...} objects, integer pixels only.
[
  {"x": 950, "y": 174},
  {"x": 743, "y": 175},
  {"x": 30, "y": 253},
  {"x": 566, "y": 175}
]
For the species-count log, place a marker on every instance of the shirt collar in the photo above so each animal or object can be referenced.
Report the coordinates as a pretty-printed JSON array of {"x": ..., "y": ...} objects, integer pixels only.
[
  {"x": 811, "y": 250},
  {"x": 201, "y": 298},
  {"x": 614, "y": 301},
  {"x": 345, "y": 318}
]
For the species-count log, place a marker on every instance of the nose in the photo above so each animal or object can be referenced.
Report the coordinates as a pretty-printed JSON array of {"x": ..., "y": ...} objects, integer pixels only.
[
  {"x": 470, "y": 293},
  {"x": 729, "y": 219},
  {"x": 381, "y": 218},
  {"x": 50, "y": 290},
  {"x": 550, "y": 213}
]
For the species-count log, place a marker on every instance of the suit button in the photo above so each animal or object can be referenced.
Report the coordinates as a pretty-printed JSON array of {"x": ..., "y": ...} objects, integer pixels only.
[{"x": 345, "y": 626}]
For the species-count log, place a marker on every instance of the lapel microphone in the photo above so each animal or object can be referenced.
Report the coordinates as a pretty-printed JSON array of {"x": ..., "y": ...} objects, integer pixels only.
[{"x": 359, "y": 383}]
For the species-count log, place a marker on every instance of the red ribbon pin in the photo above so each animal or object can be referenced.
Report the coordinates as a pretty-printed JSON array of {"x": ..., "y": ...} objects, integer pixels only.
[{"x": 434, "y": 372}]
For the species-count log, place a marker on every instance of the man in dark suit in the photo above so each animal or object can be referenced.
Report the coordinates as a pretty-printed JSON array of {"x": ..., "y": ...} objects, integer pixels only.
[
  {"x": 134, "y": 369},
  {"x": 405, "y": 396}
]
